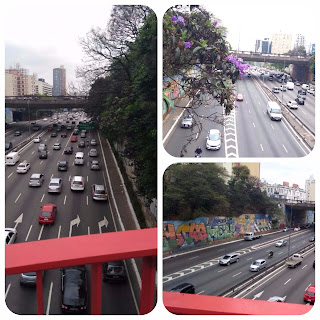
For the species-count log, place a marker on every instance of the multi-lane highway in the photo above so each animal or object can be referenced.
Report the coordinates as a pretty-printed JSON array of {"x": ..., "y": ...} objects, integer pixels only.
[
  {"x": 201, "y": 268},
  {"x": 248, "y": 131},
  {"x": 77, "y": 214}
]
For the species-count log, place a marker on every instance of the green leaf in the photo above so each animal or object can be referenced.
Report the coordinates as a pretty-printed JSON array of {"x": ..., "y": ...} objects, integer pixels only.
[
  {"x": 177, "y": 54},
  {"x": 196, "y": 49}
]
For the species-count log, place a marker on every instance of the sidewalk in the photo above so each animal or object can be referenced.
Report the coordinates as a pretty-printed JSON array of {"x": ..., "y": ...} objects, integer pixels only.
[{"x": 171, "y": 118}]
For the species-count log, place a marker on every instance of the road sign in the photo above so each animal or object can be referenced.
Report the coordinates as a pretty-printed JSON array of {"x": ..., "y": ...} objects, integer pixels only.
[{"x": 86, "y": 126}]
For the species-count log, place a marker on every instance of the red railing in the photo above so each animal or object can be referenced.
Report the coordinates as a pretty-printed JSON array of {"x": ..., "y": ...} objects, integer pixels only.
[
  {"x": 92, "y": 249},
  {"x": 182, "y": 303}
]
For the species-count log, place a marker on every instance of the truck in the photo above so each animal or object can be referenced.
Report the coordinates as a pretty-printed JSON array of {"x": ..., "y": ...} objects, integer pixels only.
[
  {"x": 251, "y": 236},
  {"x": 290, "y": 85},
  {"x": 294, "y": 261}
]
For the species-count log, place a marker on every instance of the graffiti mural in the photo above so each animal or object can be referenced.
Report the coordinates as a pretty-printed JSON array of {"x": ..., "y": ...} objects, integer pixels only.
[{"x": 180, "y": 235}]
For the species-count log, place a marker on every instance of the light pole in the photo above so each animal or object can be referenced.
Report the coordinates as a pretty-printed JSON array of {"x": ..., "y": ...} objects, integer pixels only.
[{"x": 28, "y": 101}]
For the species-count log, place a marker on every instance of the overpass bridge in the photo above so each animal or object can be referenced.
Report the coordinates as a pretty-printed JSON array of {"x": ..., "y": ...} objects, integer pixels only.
[{"x": 36, "y": 102}]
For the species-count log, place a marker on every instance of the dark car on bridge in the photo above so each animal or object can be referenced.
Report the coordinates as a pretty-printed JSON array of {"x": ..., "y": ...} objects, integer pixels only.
[
  {"x": 18, "y": 133},
  {"x": 68, "y": 150},
  {"x": 43, "y": 155},
  {"x": 299, "y": 101},
  {"x": 8, "y": 146},
  {"x": 74, "y": 289},
  {"x": 184, "y": 288},
  {"x": 114, "y": 271}
]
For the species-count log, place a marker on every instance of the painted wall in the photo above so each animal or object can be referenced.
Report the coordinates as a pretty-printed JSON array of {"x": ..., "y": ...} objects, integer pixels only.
[{"x": 180, "y": 235}]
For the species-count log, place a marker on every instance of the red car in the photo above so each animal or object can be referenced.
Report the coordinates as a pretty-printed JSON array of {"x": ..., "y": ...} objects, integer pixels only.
[
  {"x": 48, "y": 213},
  {"x": 73, "y": 139},
  {"x": 309, "y": 295},
  {"x": 239, "y": 97},
  {"x": 50, "y": 128}
]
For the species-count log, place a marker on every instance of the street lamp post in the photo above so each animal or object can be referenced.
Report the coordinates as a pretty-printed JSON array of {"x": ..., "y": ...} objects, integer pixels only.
[{"x": 28, "y": 101}]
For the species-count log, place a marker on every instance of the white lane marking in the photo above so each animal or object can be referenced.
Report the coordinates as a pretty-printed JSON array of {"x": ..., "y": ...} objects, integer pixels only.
[
  {"x": 51, "y": 176},
  {"x": 307, "y": 287},
  {"x": 193, "y": 258},
  {"x": 223, "y": 269},
  {"x": 250, "y": 258},
  {"x": 42, "y": 198},
  {"x": 73, "y": 163},
  {"x": 59, "y": 232},
  {"x": 287, "y": 281},
  {"x": 87, "y": 200},
  {"x": 18, "y": 198},
  {"x": 261, "y": 147},
  {"x": 303, "y": 241},
  {"x": 236, "y": 274},
  {"x": 285, "y": 148},
  {"x": 258, "y": 102},
  {"x": 88, "y": 230},
  {"x": 249, "y": 111},
  {"x": 221, "y": 249},
  {"x": 10, "y": 175},
  {"x": 272, "y": 127},
  {"x": 26, "y": 239},
  {"x": 293, "y": 247},
  {"x": 7, "y": 291},
  {"x": 197, "y": 135},
  {"x": 304, "y": 266},
  {"x": 40, "y": 234},
  {"x": 200, "y": 292},
  {"x": 65, "y": 198},
  {"x": 253, "y": 124},
  {"x": 41, "y": 161},
  {"x": 303, "y": 112},
  {"x": 280, "y": 252},
  {"x": 49, "y": 298},
  {"x": 87, "y": 178},
  {"x": 69, "y": 178},
  {"x": 32, "y": 152}
]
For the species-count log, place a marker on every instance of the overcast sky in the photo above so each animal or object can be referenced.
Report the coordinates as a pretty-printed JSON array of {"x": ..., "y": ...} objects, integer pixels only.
[
  {"x": 42, "y": 35},
  {"x": 292, "y": 171}
]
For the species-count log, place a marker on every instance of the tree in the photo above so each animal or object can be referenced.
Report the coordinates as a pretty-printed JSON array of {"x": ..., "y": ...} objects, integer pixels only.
[
  {"x": 123, "y": 96},
  {"x": 297, "y": 51},
  {"x": 312, "y": 64},
  {"x": 194, "y": 190}
]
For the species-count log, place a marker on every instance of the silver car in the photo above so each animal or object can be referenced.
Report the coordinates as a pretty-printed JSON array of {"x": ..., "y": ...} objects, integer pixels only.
[
  {"x": 258, "y": 265},
  {"x": 93, "y": 153},
  {"x": 10, "y": 235},
  {"x": 57, "y": 146},
  {"x": 29, "y": 278},
  {"x": 229, "y": 258},
  {"x": 93, "y": 142},
  {"x": 55, "y": 185},
  {"x": 281, "y": 243},
  {"x": 187, "y": 121},
  {"x": 277, "y": 299},
  {"x": 36, "y": 180},
  {"x": 99, "y": 192}
]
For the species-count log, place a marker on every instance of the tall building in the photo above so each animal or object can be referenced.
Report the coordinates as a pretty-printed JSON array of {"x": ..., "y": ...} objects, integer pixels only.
[
  {"x": 18, "y": 82},
  {"x": 300, "y": 41},
  {"x": 281, "y": 43},
  {"x": 263, "y": 46},
  {"x": 41, "y": 87},
  {"x": 59, "y": 82},
  {"x": 310, "y": 189}
]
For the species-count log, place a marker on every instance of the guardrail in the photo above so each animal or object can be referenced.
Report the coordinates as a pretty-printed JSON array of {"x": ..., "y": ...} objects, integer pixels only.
[{"x": 247, "y": 282}]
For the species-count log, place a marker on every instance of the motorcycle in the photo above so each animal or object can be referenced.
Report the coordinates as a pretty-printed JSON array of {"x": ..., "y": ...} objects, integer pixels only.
[{"x": 198, "y": 155}]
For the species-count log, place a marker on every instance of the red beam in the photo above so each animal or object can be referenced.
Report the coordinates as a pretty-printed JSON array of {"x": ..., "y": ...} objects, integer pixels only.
[
  {"x": 96, "y": 287},
  {"x": 39, "y": 292},
  {"x": 193, "y": 304},
  {"x": 148, "y": 274},
  {"x": 78, "y": 250}
]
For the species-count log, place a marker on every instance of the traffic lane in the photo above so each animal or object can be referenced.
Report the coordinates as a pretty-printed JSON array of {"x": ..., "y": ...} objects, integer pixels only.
[
  {"x": 274, "y": 136},
  {"x": 225, "y": 277},
  {"x": 291, "y": 283},
  {"x": 192, "y": 258},
  {"x": 196, "y": 136}
]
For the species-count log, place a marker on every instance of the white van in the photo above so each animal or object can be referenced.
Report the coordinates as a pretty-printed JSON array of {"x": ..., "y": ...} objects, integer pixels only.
[
  {"x": 290, "y": 85},
  {"x": 283, "y": 87},
  {"x": 274, "y": 111},
  {"x": 12, "y": 158},
  {"x": 305, "y": 87},
  {"x": 79, "y": 158}
]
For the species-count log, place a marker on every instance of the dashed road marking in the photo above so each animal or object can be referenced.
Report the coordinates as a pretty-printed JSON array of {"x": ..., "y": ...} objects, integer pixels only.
[
  {"x": 18, "y": 198},
  {"x": 26, "y": 239},
  {"x": 40, "y": 233},
  {"x": 287, "y": 281},
  {"x": 261, "y": 147},
  {"x": 236, "y": 274},
  {"x": 42, "y": 197},
  {"x": 10, "y": 175},
  {"x": 285, "y": 148},
  {"x": 7, "y": 291}
]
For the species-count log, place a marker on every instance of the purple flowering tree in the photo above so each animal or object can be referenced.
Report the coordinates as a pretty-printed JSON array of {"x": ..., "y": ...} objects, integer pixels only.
[{"x": 194, "y": 39}]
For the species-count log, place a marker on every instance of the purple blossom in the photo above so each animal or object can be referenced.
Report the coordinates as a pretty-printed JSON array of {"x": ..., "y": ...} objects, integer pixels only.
[
  {"x": 187, "y": 44},
  {"x": 215, "y": 23},
  {"x": 178, "y": 19},
  {"x": 238, "y": 63}
]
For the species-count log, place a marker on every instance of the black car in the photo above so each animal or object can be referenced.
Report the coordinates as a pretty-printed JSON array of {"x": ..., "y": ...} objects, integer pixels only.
[
  {"x": 300, "y": 101},
  {"x": 73, "y": 122},
  {"x": 184, "y": 288},
  {"x": 63, "y": 135},
  {"x": 68, "y": 150},
  {"x": 18, "y": 133},
  {"x": 74, "y": 289},
  {"x": 81, "y": 144},
  {"x": 302, "y": 92},
  {"x": 62, "y": 165},
  {"x": 53, "y": 134},
  {"x": 114, "y": 271},
  {"x": 75, "y": 132},
  {"x": 9, "y": 146},
  {"x": 63, "y": 126},
  {"x": 43, "y": 154}
]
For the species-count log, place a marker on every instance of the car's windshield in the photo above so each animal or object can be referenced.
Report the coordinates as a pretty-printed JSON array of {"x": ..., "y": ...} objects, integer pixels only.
[
  {"x": 276, "y": 111},
  {"x": 214, "y": 136}
]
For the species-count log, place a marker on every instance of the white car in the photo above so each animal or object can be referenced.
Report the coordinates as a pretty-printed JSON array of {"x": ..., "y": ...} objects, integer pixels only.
[
  {"x": 37, "y": 140},
  {"x": 23, "y": 167},
  {"x": 77, "y": 183},
  {"x": 292, "y": 104},
  {"x": 45, "y": 119},
  {"x": 213, "y": 140},
  {"x": 258, "y": 265},
  {"x": 296, "y": 229},
  {"x": 311, "y": 90},
  {"x": 11, "y": 235}
]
